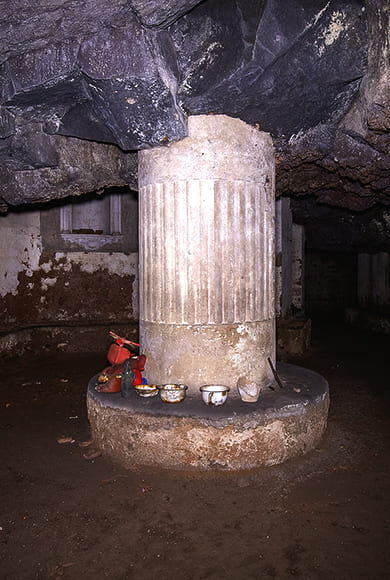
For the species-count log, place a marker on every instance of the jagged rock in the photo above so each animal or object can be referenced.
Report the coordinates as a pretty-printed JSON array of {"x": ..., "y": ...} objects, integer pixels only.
[
  {"x": 42, "y": 167},
  {"x": 331, "y": 229},
  {"x": 161, "y": 13},
  {"x": 7, "y": 124},
  {"x": 303, "y": 67},
  {"x": 87, "y": 84},
  {"x": 131, "y": 87}
]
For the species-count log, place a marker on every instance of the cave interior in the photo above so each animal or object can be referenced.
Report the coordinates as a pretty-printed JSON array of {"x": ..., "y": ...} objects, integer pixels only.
[
  {"x": 84, "y": 87},
  {"x": 79, "y": 100}
]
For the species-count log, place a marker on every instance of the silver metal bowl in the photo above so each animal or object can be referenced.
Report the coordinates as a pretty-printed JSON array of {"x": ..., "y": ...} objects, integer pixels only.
[{"x": 172, "y": 393}]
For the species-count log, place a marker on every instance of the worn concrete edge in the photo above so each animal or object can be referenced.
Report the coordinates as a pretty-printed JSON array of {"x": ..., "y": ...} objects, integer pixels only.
[{"x": 272, "y": 406}]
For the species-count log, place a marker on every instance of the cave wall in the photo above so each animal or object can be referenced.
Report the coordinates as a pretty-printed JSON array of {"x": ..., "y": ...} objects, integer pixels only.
[
  {"x": 61, "y": 299},
  {"x": 51, "y": 298},
  {"x": 79, "y": 98},
  {"x": 373, "y": 288},
  {"x": 330, "y": 284},
  {"x": 84, "y": 86},
  {"x": 374, "y": 281}
]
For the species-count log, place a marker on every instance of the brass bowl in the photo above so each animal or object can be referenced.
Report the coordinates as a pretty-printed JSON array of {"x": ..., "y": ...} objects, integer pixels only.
[{"x": 146, "y": 390}]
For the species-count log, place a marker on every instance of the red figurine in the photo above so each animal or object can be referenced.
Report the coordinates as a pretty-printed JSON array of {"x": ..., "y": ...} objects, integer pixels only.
[{"x": 110, "y": 379}]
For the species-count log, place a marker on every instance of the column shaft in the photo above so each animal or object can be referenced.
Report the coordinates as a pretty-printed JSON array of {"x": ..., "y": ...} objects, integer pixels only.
[{"x": 207, "y": 256}]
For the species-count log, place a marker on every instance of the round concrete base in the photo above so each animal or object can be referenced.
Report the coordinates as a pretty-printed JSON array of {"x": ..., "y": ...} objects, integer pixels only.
[{"x": 284, "y": 423}]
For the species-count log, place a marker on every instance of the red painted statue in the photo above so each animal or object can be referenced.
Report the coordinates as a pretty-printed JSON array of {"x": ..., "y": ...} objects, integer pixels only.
[{"x": 122, "y": 362}]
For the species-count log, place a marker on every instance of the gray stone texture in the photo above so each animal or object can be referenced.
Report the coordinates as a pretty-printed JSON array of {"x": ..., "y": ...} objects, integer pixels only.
[{"x": 127, "y": 73}]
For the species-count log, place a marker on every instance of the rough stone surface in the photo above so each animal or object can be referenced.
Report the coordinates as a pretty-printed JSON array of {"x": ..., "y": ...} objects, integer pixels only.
[
  {"x": 40, "y": 167},
  {"x": 330, "y": 229},
  {"x": 378, "y": 322},
  {"x": 314, "y": 75},
  {"x": 217, "y": 147},
  {"x": 163, "y": 13},
  {"x": 277, "y": 68},
  {"x": 282, "y": 424},
  {"x": 208, "y": 354},
  {"x": 292, "y": 337}
]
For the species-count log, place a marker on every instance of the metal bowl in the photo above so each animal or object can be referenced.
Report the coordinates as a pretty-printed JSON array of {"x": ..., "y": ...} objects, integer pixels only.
[
  {"x": 172, "y": 393},
  {"x": 146, "y": 390},
  {"x": 214, "y": 395}
]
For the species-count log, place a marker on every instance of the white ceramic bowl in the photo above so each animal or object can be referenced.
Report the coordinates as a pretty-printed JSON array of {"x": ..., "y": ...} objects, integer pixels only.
[
  {"x": 214, "y": 395},
  {"x": 146, "y": 390},
  {"x": 172, "y": 393}
]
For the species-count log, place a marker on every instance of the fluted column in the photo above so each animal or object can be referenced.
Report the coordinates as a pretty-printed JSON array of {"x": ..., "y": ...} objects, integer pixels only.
[{"x": 207, "y": 255}]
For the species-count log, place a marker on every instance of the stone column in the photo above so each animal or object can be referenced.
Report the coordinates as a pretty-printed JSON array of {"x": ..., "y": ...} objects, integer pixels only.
[
  {"x": 283, "y": 248},
  {"x": 298, "y": 268},
  {"x": 207, "y": 256},
  {"x": 364, "y": 280},
  {"x": 374, "y": 280}
]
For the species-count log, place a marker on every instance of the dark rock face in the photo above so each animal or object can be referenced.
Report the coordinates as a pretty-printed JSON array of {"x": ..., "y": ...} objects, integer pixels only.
[
  {"x": 84, "y": 85},
  {"x": 40, "y": 167},
  {"x": 299, "y": 64},
  {"x": 330, "y": 229},
  {"x": 161, "y": 14}
]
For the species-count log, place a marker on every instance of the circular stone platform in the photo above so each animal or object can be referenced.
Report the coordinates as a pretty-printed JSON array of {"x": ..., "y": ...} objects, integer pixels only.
[{"x": 284, "y": 423}]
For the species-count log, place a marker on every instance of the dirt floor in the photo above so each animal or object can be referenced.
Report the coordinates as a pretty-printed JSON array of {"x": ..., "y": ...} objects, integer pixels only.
[{"x": 325, "y": 515}]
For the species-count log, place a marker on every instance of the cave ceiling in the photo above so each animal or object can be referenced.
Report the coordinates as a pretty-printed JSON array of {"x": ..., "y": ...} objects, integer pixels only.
[{"x": 85, "y": 85}]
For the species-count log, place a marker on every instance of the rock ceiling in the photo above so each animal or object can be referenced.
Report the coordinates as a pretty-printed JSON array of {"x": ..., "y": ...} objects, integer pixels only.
[{"x": 84, "y": 85}]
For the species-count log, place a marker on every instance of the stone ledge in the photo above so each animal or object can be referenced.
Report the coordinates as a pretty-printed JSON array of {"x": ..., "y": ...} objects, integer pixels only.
[
  {"x": 65, "y": 337},
  {"x": 292, "y": 337},
  {"x": 283, "y": 424},
  {"x": 368, "y": 320}
]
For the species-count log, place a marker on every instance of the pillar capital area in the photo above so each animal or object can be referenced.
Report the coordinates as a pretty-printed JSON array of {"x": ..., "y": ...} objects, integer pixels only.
[{"x": 217, "y": 147}]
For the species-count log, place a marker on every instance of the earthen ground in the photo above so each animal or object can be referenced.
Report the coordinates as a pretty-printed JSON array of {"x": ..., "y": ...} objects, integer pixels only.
[{"x": 325, "y": 515}]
